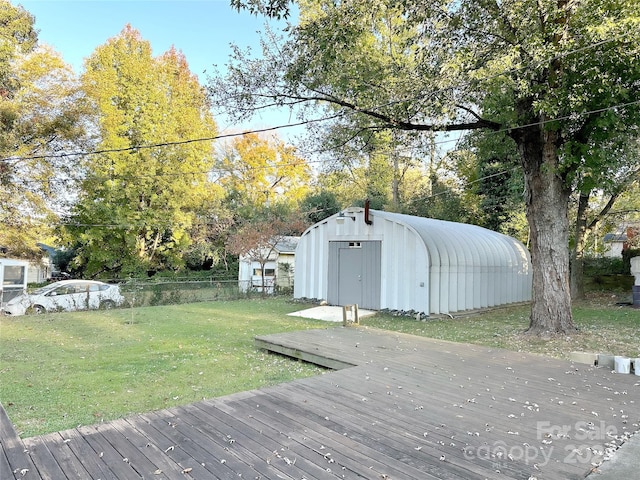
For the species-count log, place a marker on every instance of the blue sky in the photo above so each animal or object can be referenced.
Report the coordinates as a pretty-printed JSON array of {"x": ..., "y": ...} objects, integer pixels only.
[{"x": 201, "y": 29}]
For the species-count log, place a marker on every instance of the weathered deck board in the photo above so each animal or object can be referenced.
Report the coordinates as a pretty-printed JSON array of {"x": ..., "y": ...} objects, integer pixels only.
[
  {"x": 406, "y": 408},
  {"x": 14, "y": 461},
  {"x": 507, "y": 398}
]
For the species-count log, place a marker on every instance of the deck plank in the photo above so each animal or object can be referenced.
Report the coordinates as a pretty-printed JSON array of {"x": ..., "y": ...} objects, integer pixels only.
[
  {"x": 398, "y": 407},
  {"x": 5, "y": 468},
  {"x": 192, "y": 448},
  {"x": 393, "y": 439},
  {"x": 65, "y": 457},
  {"x": 16, "y": 461},
  {"x": 92, "y": 460},
  {"x": 271, "y": 446}
]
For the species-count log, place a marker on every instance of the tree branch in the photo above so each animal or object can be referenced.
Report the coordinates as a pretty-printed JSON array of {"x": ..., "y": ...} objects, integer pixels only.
[{"x": 391, "y": 122}]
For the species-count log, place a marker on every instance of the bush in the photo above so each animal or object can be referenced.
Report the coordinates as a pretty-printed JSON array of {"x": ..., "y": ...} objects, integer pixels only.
[{"x": 604, "y": 266}]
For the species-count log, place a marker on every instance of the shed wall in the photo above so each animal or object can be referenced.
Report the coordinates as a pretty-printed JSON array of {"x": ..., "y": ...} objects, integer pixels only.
[{"x": 426, "y": 265}]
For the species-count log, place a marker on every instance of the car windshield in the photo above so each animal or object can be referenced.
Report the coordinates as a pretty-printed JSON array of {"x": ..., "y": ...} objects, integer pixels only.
[{"x": 45, "y": 289}]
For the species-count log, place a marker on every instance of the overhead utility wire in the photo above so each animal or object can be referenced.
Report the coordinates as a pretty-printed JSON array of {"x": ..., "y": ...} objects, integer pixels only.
[
  {"x": 214, "y": 169},
  {"x": 164, "y": 144},
  {"x": 278, "y": 127}
]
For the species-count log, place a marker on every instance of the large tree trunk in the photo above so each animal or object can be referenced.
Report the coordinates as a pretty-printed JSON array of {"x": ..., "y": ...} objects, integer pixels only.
[{"x": 547, "y": 202}]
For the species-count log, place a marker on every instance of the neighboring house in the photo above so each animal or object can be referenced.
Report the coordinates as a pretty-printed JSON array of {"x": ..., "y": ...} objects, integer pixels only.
[
  {"x": 13, "y": 278},
  {"x": 41, "y": 272},
  {"x": 616, "y": 243},
  {"x": 382, "y": 260},
  {"x": 278, "y": 270}
]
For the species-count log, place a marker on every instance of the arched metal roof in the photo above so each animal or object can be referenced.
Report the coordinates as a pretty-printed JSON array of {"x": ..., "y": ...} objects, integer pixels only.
[
  {"x": 470, "y": 266},
  {"x": 427, "y": 265}
]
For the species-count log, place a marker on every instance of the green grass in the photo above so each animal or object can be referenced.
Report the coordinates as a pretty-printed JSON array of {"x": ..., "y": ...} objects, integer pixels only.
[
  {"x": 603, "y": 327},
  {"x": 61, "y": 370}
]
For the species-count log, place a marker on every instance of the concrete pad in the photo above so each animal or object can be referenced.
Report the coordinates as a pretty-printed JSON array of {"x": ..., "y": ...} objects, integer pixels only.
[
  {"x": 328, "y": 313},
  {"x": 623, "y": 465},
  {"x": 584, "y": 357}
]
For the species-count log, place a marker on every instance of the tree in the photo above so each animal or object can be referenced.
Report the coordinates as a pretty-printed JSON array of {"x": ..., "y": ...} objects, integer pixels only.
[
  {"x": 19, "y": 37},
  {"x": 41, "y": 114},
  {"x": 358, "y": 163},
  {"x": 614, "y": 171},
  {"x": 489, "y": 164},
  {"x": 318, "y": 206},
  {"x": 141, "y": 194},
  {"x": 556, "y": 76},
  {"x": 258, "y": 172},
  {"x": 440, "y": 201}
]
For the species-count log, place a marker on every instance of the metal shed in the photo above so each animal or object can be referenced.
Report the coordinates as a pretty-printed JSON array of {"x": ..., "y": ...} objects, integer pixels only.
[{"x": 382, "y": 260}]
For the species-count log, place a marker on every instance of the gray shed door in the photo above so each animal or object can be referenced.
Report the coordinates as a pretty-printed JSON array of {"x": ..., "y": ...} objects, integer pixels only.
[{"x": 354, "y": 274}]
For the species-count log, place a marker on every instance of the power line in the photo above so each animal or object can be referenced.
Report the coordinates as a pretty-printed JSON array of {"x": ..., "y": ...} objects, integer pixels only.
[
  {"x": 195, "y": 224},
  {"x": 154, "y": 145},
  {"x": 213, "y": 169},
  {"x": 306, "y": 122}
]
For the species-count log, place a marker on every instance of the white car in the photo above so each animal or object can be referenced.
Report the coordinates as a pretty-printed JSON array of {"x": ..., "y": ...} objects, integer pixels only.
[{"x": 66, "y": 295}]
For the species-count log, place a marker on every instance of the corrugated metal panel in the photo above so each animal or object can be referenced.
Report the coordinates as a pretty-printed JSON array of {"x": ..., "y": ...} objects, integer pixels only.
[
  {"x": 426, "y": 265},
  {"x": 371, "y": 274}
]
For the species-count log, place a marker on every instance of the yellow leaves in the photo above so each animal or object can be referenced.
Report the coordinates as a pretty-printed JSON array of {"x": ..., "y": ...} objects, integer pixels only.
[
  {"x": 41, "y": 63},
  {"x": 154, "y": 193},
  {"x": 261, "y": 170}
]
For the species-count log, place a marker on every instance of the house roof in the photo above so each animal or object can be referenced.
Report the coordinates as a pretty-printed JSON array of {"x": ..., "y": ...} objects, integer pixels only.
[
  {"x": 287, "y": 244},
  {"x": 615, "y": 237},
  {"x": 460, "y": 243}
]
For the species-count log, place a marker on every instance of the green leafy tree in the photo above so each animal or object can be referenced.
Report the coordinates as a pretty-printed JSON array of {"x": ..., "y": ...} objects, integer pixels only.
[
  {"x": 318, "y": 206},
  {"x": 614, "y": 172},
  {"x": 489, "y": 165},
  {"x": 141, "y": 195},
  {"x": 440, "y": 201},
  {"x": 209, "y": 238},
  {"x": 556, "y": 76},
  {"x": 41, "y": 114}
]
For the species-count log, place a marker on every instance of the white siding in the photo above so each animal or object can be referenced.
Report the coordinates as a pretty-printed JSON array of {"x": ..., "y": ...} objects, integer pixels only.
[{"x": 13, "y": 278}]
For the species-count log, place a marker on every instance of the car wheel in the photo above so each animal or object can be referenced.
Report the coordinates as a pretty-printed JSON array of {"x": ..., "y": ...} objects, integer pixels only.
[
  {"x": 37, "y": 310},
  {"x": 108, "y": 305}
]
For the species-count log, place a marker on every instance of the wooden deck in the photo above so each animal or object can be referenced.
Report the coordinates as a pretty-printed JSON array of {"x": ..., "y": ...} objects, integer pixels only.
[{"x": 405, "y": 408}]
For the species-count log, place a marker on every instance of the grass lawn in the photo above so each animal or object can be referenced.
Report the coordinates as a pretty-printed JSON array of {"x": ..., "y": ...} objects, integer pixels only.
[
  {"x": 603, "y": 327},
  {"x": 61, "y": 370}
]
